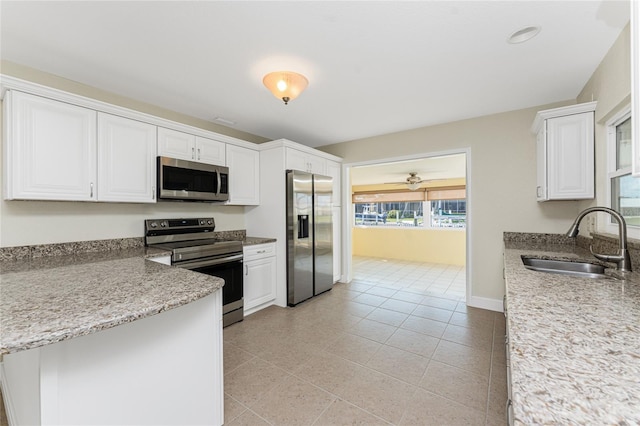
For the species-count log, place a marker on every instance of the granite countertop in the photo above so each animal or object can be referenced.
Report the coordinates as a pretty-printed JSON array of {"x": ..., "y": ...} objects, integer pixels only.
[
  {"x": 252, "y": 241},
  {"x": 574, "y": 343},
  {"x": 51, "y": 299}
]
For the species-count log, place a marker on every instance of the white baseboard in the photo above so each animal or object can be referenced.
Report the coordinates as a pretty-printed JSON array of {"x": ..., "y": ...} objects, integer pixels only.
[{"x": 485, "y": 303}]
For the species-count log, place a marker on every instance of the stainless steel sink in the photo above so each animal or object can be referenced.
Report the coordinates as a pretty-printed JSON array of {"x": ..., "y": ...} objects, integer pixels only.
[{"x": 578, "y": 269}]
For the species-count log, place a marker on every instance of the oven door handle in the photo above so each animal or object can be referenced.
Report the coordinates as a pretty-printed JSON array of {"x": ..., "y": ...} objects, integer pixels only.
[{"x": 209, "y": 262}]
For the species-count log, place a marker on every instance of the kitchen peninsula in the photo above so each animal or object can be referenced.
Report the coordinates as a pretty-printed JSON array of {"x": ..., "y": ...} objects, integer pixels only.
[
  {"x": 108, "y": 337},
  {"x": 573, "y": 342}
]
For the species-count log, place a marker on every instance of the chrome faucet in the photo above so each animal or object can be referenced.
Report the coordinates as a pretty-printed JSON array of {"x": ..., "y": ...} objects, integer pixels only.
[{"x": 622, "y": 258}]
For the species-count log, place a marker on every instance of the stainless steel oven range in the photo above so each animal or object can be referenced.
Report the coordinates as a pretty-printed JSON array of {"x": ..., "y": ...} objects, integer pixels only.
[{"x": 193, "y": 247}]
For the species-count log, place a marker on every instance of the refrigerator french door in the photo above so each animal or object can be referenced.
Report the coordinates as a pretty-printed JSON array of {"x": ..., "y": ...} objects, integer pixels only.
[{"x": 309, "y": 236}]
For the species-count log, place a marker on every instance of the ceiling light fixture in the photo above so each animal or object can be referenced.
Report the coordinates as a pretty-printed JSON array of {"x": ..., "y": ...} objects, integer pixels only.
[
  {"x": 285, "y": 85},
  {"x": 413, "y": 186},
  {"x": 523, "y": 35}
]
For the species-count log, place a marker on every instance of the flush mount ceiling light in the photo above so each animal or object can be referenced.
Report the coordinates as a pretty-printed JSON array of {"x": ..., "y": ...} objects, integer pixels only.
[
  {"x": 523, "y": 35},
  {"x": 285, "y": 85}
]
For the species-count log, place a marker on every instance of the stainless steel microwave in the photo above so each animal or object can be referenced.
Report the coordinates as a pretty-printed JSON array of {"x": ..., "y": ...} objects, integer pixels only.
[{"x": 182, "y": 180}]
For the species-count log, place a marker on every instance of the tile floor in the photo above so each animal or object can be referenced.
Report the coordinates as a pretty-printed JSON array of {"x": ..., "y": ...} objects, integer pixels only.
[{"x": 395, "y": 346}]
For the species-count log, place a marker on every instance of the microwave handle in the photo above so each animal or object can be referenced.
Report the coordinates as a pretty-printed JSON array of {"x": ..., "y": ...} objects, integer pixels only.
[{"x": 219, "y": 182}]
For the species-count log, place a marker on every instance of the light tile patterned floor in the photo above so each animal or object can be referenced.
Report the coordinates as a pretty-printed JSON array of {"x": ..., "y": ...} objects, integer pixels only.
[{"x": 395, "y": 346}]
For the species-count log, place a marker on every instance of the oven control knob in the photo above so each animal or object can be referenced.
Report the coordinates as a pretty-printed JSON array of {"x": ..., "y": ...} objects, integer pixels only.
[
  {"x": 154, "y": 225},
  {"x": 163, "y": 224},
  {"x": 209, "y": 222},
  {"x": 202, "y": 222}
]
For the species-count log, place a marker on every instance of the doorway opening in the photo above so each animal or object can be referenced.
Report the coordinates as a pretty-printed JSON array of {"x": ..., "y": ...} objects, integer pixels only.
[{"x": 407, "y": 219}]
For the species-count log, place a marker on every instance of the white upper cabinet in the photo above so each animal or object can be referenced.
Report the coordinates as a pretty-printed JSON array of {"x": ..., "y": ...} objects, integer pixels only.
[
  {"x": 126, "y": 160},
  {"x": 210, "y": 151},
  {"x": 244, "y": 175},
  {"x": 175, "y": 144},
  {"x": 49, "y": 149},
  {"x": 565, "y": 153},
  {"x": 305, "y": 162}
]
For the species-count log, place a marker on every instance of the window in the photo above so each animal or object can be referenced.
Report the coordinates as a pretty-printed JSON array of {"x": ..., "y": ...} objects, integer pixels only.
[
  {"x": 623, "y": 188},
  {"x": 434, "y": 209},
  {"x": 448, "y": 213}
]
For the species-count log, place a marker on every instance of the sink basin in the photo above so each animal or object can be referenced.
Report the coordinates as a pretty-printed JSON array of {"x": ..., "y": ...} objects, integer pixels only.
[{"x": 578, "y": 269}]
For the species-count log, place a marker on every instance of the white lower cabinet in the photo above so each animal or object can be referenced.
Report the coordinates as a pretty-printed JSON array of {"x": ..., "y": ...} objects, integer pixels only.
[{"x": 259, "y": 277}]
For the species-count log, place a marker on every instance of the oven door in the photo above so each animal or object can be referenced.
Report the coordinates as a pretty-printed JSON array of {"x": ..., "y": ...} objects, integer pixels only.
[{"x": 229, "y": 268}]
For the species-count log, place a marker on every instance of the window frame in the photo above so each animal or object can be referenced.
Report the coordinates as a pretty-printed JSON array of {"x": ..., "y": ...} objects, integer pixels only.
[{"x": 610, "y": 226}]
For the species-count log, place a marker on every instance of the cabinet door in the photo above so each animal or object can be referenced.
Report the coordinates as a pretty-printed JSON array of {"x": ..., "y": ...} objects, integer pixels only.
[
  {"x": 337, "y": 244},
  {"x": 210, "y": 151},
  {"x": 174, "y": 144},
  {"x": 244, "y": 176},
  {"x": 570, "y": 157},
  {"x": 296, "y": 160},
  {"x": 259, "y": 282},
  {"x": 333, "y": 170},
  {"x": 50, "y": 149},
  {"x": 126, "y": 160},
  {"x": 317, "y": 165},
  {"x": 541, "y": 165}
]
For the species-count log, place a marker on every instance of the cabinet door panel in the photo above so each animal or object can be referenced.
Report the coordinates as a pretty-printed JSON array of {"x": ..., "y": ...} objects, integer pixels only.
[
  {"x": 334, "y": 170},
  {"x": 296, "y": 160},
  {"x": 570, "y": 157},
  {"x": 174, "y": 144},
  {"x": 244, "y": 176},
  {"x": 126, "y": 160},
  {"x": 50, "y": 149},
  {"x": 259, "y": 282},
  {"x": 210, "y": 151}
]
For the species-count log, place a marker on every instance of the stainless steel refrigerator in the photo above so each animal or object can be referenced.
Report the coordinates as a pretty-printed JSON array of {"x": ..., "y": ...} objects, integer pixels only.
[{"x": 309, "y": 235}]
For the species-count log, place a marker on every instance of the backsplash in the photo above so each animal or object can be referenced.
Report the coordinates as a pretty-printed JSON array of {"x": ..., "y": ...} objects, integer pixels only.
[{"x": 76, "y": 247}]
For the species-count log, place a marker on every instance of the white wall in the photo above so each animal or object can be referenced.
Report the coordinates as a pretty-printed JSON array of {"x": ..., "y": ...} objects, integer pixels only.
[{"x": 43, "y": 222}]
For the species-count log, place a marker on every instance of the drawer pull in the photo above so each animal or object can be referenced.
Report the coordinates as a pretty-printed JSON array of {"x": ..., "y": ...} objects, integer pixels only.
[{"x": 261, "y": 251}]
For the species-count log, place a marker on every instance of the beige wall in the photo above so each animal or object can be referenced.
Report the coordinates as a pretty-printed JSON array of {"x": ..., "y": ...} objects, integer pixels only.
[
  {"x": 610, "y": 85},
  {"x": 502, "y": 182},
  {"x": 41, "y": 222},
  {"x": 421, "y": 245}
]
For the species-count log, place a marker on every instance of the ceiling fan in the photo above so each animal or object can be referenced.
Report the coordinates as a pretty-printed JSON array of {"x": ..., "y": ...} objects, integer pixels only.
[{"x": 413, "y": 181}]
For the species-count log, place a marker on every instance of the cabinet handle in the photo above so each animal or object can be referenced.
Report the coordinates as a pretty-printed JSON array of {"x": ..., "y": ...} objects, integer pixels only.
[
  {"x": 193, "y": 153},
  {"x": 538, "y": 188},
  {"x": 198, "y": 153},
  {"x": 153, "y": 192},
  {"x": 91, "y": 190},
  {"x": 246, "y": 269}
]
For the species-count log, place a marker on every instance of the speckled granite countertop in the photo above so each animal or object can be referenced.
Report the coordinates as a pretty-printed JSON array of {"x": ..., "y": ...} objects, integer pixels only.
[
  {"x": 252, "y": 241},
  {"x": 49, "y": 299},
  {"x": 574, "y": 342}
]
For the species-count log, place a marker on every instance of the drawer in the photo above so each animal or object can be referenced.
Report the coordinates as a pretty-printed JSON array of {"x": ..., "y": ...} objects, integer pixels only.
[{"x": 259, "y": 251}]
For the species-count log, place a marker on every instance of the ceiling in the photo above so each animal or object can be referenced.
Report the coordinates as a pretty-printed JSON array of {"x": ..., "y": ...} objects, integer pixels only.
[
  {"x": 437, "y": 168},
  {"x": 373, "y": 67}
]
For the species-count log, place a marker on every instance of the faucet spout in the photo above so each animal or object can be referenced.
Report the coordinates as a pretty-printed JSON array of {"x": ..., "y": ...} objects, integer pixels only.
[{"x": 622, "y": 259}]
